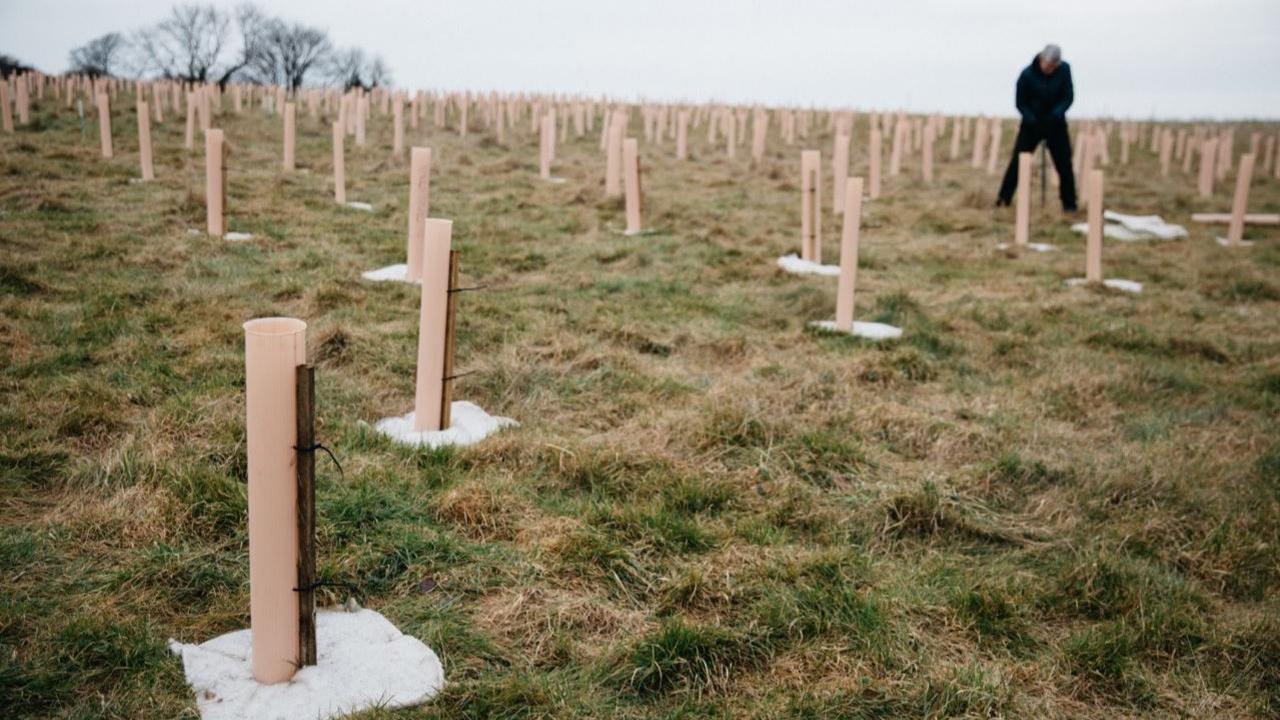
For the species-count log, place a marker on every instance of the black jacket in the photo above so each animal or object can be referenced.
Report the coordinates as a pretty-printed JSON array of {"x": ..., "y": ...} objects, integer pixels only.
[{"x": 1043, "y": 97}]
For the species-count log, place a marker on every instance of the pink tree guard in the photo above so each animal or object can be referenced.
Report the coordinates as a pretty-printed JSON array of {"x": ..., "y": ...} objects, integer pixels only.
[
  {"x": 419, "y": 206},
  {"x": 849, "y": 253},
  {"x": 273, "y": 349}
]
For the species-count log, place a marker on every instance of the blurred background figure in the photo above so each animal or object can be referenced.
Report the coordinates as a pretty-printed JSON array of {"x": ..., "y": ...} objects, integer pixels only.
[{"x": 1044, "y": 93}]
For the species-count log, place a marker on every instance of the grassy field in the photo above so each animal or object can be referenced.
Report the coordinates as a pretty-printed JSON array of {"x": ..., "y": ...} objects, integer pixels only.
[{"x": 1041, "y": 502}]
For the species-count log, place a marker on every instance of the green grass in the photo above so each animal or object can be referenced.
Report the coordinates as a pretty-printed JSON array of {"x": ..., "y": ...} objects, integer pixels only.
[{"x": 1039, "y": 502}]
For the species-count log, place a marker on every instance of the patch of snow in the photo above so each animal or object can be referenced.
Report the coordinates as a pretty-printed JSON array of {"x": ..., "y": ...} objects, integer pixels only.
[
  {"x": 362, "y": 661},
  {"x": 1033, "y": 247},
  {"x": 360, "y": 206},
  {"x": 868, "y": 330},
  {"x": 468, "y": 425},
  {"x": 793, "y": 264},
  {"x": 1113, "y": 231},
  {"x": 1130, "y": 228},
  {"x": 1146, "y": 225},
  {"x": 1227, "y": 243},
  {"x": 237, "y": 236},
  {"x": 1129, "y": 286},
  {"x": 390, "y": 273}
]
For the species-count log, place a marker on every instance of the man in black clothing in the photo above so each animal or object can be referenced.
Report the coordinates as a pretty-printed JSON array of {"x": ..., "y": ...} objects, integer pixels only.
[{"x": 1043, "y": 96}]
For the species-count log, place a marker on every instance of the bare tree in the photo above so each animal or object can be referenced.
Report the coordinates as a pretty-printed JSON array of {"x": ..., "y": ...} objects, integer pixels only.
[
  {"x": 10, "y": 65},
  {"x": 97, "y": 56},
  {"x": 188, "y": 44},
  {"x": 252, "y": 24},
  {"x": 379, "y": 73},
  {"x": 352, "y": 68},
  {"x": 202, "y": 43},
  {"x": 288, "y": 52},
  {"x": 345, "y": 68}
]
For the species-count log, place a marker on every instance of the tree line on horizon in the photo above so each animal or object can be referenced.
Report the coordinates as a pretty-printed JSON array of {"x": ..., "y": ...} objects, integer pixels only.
[{"x": 202, "y": 43}]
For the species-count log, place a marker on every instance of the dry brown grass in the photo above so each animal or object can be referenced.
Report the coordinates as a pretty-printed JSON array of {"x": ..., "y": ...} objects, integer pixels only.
[{"x": 1041, "y": 502}]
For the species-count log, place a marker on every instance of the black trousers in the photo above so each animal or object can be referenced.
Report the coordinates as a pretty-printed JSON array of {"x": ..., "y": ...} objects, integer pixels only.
[{"x": 1030, "y": 135}]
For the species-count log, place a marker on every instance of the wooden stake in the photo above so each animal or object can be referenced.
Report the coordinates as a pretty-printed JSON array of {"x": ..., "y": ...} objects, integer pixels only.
[
  {"x": 306, "y": 460},
  {"x": 450, "y": 326}
]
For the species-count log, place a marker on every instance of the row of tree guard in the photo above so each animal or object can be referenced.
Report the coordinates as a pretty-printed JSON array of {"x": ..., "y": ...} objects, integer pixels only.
[{"x": 908, "y": 134}]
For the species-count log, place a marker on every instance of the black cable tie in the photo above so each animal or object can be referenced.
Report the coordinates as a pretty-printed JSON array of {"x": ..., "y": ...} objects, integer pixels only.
[
  {"x": 460, "y": 375},
  {"x": 317, "y": 446},
  {"x": 331, "y": 583},
  {"x": 467, "y": 289}
]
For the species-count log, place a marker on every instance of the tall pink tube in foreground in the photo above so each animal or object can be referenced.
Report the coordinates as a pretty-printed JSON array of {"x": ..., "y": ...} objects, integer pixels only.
[{"x": 273, "y": 349}]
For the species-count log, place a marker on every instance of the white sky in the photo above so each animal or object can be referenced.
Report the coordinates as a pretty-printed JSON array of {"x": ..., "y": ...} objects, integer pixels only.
[{"x": 1169, "y": 58}]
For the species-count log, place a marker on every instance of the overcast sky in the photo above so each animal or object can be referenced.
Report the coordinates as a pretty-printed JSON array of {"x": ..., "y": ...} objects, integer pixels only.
[{"x": 1169, "y": 58}]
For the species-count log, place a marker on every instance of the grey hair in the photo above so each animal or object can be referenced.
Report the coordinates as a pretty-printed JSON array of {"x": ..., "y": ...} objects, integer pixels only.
[{"x": 1051, "y": 54}]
